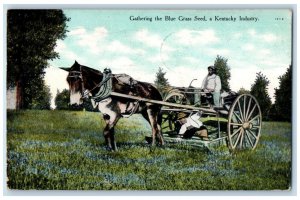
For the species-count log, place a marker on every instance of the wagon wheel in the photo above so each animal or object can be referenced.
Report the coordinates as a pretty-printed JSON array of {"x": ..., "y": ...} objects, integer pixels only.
[
  {"x": 170, "y": 117},
  {"x": 244, "y": 123},
  {"x": 176, "y": 96}
]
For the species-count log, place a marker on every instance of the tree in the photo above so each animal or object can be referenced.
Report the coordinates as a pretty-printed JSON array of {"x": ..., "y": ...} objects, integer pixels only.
[
  {"x": 62, "y": 100},
  {"x": 260, "y": 91},
  {"x": 223, "y": 70},
  {"x": 31, "y": 39},
  {"x": 243, "y": 91},
  {"x": 88, "y": 106},
  {"x": 41, "y": 99},
  {"x": 161, "y": 82},
  {"x": 283, "y": 96}
]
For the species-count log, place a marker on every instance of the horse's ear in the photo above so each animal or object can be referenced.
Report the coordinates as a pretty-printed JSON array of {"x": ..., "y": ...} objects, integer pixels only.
[{"x": 66, "y": 69}]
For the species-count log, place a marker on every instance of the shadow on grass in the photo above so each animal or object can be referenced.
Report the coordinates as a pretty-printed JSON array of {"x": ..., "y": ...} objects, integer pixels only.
[
  {"x": 14, "y": 114},
  {"x": 166, "y": 146},
  {"x": 214, "y": 123}
]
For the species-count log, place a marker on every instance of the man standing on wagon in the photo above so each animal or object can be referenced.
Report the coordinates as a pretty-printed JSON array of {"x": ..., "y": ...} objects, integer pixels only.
[{"x": 212, "y": 84}]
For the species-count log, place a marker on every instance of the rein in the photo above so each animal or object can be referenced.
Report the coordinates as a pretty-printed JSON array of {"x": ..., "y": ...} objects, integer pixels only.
[{"x": 105, "y": 86}]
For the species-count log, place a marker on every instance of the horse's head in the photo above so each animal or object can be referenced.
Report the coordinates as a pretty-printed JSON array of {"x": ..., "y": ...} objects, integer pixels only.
[
  {"x": 76, "y": 85},
  {"x": 82, "y": 80}
]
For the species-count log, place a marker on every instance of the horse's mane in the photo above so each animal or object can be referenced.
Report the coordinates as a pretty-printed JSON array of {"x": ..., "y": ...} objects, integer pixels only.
[{"x": 92, "y": 70}]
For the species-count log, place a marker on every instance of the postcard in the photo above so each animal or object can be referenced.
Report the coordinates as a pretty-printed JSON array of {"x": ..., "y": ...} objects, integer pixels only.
[{"x": 149, "y": 99}]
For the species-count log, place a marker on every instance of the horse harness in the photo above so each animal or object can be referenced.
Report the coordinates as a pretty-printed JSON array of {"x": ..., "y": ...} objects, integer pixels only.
[{"x": 105, "y": 89}]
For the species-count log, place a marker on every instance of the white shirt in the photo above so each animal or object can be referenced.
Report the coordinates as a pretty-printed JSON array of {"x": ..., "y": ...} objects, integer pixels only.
[
  {"x": 191, "y": 121},
  {"x": 212, "y": 82}
]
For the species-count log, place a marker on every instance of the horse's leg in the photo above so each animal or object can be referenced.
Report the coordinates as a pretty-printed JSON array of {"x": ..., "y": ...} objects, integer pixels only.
[
  {"x": 109, "y": 131},
  {"x": 152, "y": 116},
  {"x": 159, "y": 121}
]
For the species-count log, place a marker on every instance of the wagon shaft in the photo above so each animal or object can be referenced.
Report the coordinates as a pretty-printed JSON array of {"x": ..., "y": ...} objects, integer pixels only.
[{"x": 163, "y": 103}]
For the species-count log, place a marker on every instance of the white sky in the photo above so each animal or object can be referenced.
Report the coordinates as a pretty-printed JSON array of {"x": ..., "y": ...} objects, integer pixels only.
[{"x": 184, "y": 49}]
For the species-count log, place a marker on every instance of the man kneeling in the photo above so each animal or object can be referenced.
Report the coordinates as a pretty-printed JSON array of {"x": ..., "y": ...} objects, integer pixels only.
[{"x": 192, "y": 126}]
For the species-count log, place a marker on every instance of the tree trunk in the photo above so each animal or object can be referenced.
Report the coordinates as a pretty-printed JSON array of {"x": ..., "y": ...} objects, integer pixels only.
[{"x": 19, "y": 95}]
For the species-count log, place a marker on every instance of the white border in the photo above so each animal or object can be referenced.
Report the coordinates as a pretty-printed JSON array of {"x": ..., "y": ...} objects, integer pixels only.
[{"x": 155, "y": 4}]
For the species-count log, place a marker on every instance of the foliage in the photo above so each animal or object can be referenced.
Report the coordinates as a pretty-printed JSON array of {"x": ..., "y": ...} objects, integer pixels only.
[
  {"x": 64, "y": 150},
  {"x": 260, "y": 91},
  {"x": 31, "y": 39},
  {"x": 62, "y": 100},
  {"x": 161, "y": 82},
  {"x": 88, "y": 106},
  {"x": 223, "y": 70},
  {"x": 283, "y": 96},
  {"x": 243, "y": 91},
  {"x": 41, "y": 97}
]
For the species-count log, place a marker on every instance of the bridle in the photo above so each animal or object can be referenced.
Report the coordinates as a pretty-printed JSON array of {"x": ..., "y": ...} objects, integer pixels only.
[
  {"x": 78, "y": 75},
  {"x": 104, "y": 85}
]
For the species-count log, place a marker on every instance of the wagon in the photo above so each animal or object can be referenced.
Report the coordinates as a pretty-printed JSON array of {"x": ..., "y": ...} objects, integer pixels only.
[{"x": 236, "y": 123}]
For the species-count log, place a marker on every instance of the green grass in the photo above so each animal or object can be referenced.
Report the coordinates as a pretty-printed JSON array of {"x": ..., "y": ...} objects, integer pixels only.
[{"x": 61, "y": 150}]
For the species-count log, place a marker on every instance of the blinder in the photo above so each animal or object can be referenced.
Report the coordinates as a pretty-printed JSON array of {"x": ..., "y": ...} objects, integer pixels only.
[
  {"x": 75, "y": 74},
  {"x": 78, "y": 75}
]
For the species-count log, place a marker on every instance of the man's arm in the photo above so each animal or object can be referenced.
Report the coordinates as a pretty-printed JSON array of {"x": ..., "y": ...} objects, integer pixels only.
[
  {"x": 203, "y": 83},
  {"x": 218, "y": 84}
]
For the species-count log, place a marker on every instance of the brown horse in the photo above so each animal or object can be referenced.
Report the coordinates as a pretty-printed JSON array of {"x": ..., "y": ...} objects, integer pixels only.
[{"x": 85, "y": 82}]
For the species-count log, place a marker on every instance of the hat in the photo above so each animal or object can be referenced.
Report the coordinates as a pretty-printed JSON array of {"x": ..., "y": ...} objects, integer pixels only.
[
  {"x": 211, "y": 67},
  {"x": 181, "y": 115}
]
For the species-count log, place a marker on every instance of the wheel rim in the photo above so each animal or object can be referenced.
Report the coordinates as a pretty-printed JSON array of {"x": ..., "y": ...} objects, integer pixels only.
[
  {"x": 244, "y": 123},
  {"x": 178, "y": 98}
]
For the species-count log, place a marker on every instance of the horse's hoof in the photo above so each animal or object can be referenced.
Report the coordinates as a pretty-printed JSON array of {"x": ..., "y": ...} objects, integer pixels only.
[
  {"x": 148, "y": 139},
  {"x": 111, "y": 149},
  {"x": 115, "y": 149},
  {"x": 108, "y": 149}
]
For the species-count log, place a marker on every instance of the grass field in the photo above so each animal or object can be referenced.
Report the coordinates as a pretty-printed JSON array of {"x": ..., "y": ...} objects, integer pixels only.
[{"x": 63, "y": 150}]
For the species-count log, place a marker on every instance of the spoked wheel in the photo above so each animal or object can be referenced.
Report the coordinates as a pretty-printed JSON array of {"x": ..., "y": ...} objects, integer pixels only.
[
  {"x": 244, "y": 123},
  {"x": 176, "y": 96}
]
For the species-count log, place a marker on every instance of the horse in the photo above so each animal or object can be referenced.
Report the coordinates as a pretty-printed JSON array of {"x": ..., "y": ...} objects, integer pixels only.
[{"x": 85, "y": 82}]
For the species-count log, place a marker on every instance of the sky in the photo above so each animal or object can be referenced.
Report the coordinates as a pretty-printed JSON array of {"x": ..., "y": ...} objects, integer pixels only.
[{"x": 182, "y": 42}]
